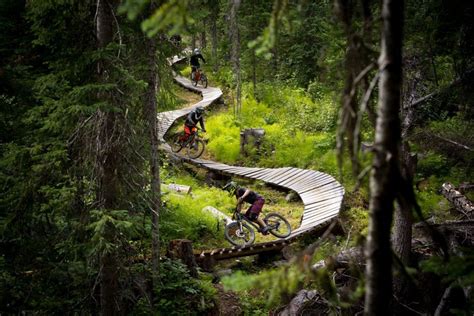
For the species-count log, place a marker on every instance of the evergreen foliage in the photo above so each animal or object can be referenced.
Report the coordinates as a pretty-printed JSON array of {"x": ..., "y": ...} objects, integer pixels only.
[{"x": 54, "y": 228}]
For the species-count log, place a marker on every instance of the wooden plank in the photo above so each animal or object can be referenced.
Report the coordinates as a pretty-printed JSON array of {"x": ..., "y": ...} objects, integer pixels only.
[
  {"x": 332, "y": 211},
  {"x": 269, "y": 175},
  {"x": 322, "y": 203},
  {"x": 318, "y": 221},
  {"x": 322, "y": 194},
  {"x": 321, "y": 212},
  {"x": 308, "y": 178},
  {"x": 283, "y": 176},
  {"x": 246, "y": 171},
  {"x": 258, "y": 174},
  {"x": 312, "y": 197},
  {"x": 298, "y": 175},
  {"x": 278, "y": 172},
  {"x": 302, "y": 185}
]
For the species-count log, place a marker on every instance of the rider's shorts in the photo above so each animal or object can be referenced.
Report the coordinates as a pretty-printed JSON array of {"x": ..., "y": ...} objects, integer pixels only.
[
  {"x": 190, "y": 130},
  {"x": 255, "y": 209}
]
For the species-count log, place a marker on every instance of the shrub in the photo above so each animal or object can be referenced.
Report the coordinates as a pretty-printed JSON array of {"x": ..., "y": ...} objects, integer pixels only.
[
  {"x": 178, "y": 293},
  {"x": 224, "y": 138}
]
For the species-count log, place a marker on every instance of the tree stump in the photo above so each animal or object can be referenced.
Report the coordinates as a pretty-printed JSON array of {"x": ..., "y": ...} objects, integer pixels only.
[
  {"x": 255, "y": 134},
  {"x": 183, "y": 249}
]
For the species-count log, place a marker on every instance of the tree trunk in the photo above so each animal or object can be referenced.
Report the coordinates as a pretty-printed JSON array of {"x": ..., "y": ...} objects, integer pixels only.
[
  {"x": 402, "y": 232},
  {"x": 385, "y": 174},
  {"x": 193, "y": 42},
  {"x": 182, "y": 249},
  {"x": 235, "y": 54},
  {"x": 203, "y": 39},
  {"x": 151, "y": 115},
  {"x": 213, "y": 20},
  {"x": 107, "y": 160}
]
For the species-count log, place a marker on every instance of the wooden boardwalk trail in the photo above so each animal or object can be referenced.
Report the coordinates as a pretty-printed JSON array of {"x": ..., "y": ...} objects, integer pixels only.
[{"x": 320, "y": 193}]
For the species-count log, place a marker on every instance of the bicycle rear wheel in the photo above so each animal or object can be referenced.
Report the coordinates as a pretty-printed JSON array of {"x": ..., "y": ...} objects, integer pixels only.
[
  {"x": 278, "y": 225},
  {"x": 239, "y": 237},
  {"x": 177, "y": 142},
  {"x": 195, "y": 148}
]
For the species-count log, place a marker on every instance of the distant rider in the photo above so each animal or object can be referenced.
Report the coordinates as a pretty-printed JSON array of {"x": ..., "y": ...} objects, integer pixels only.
[
  {"x": 245, "y": 195},
  {"x": 194, "y": 117},
  {"x": 195, "y": 61}
]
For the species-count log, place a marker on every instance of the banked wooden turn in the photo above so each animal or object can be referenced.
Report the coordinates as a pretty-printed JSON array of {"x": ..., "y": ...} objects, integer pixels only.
[{"x": 320, "y": 193}]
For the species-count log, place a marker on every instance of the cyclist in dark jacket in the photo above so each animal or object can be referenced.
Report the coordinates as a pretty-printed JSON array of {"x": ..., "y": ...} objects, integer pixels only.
[
  {"x": 194, "y": 61},
  {"x": 194, "y": 117},
  {"x": 255, "y": 200}
]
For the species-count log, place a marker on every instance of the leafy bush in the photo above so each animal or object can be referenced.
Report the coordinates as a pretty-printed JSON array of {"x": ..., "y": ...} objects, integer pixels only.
[
  {"x": 178, "y": 293},
  {"x": 432, "y": 164},
  {"x": 224, "y": 138},
  {"x": 184, "y": 217}
]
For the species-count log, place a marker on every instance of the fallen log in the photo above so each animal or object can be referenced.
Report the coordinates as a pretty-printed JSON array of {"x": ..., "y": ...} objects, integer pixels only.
[
  {"x": 461, "y": 203},
  {"x": 342, "y": 260},
  {"x": 218, "y": 214},
  {"x": 185, "y": 189}
]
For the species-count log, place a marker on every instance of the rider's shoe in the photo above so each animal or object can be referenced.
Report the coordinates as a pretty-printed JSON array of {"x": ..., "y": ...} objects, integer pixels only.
[{"x": 265, "y": 230}]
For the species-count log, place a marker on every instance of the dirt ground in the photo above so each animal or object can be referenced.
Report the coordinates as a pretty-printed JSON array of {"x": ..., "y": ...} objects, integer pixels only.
[{"x": 228, "y": 303}]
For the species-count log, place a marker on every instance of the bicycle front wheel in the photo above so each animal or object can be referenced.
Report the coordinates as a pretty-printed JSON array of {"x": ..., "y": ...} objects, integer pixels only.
[
  {"x": 204, "y": 81},
  {"x": 238, "y": 236},
  {"x": 177, "y": 142},
  {"x": 196, "y": 148},
  {"x": 278, "y": 225}
]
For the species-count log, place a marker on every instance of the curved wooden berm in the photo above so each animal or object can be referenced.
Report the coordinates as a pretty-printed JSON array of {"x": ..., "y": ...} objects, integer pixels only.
[{"x": 321, "y": 194}]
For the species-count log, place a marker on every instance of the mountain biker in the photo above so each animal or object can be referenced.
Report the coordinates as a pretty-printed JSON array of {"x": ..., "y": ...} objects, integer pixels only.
[
  {"x": 194, "y": 117},
  {"x": 194, "y": 61},
  {"x": 251, "y": 197}
]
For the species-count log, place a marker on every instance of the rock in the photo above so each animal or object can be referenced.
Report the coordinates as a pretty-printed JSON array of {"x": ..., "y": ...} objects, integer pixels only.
[{"x": 292, "y": 197}]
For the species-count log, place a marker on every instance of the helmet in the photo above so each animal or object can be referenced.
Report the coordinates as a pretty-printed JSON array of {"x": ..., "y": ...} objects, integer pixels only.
[
  {"x": 231, "y": 187},
  {"x": 197, "y": 51},
  {"x": 199, "y": 110}
]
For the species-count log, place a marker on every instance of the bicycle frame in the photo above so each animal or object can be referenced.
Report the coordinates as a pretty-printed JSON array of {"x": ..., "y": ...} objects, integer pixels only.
[
  {"x": 239, "y": 217},
  {"x": 191, "y": 138}
]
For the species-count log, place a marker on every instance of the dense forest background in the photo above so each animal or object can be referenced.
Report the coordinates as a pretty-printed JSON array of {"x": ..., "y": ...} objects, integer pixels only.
[{"x": 85, "y": 221}]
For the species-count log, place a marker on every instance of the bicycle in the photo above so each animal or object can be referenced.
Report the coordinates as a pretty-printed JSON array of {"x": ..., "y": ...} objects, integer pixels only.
[
  {"x": 240, "y": 233},
  {"x": 194, "y": 144},
  {"x": 199, "y": 75}
]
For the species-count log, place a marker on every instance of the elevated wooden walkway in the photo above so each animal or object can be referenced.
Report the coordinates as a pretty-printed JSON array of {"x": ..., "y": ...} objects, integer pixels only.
[{"x": 321, "y": 194}]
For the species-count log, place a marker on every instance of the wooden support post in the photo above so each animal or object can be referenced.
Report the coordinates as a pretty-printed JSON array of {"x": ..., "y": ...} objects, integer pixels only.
[
  {"x": 183, "y": 249},
  {"x": 207, "y": 263}
]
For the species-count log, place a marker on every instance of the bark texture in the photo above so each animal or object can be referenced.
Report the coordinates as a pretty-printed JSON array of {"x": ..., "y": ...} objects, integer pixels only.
[
  {"x": 151, "y": 115},
  {"x": 214, "y": 39},
  {"x": 460, "y": 201},
  {"x": 235, "y": 53},
  {"x": 385, "y": 174},
  {"x": 107, "y": 159},
  {"x": 182, "y": 249}
]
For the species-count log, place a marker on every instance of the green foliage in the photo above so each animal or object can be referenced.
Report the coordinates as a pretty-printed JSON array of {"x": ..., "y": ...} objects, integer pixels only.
[
  {"x": 224, "y": 137},
  {"x": 432, "y": 164},
  {"x": 292, "y": 123},
  {"x": 184, "y": 216},
  {"x": 179, "y": 293},
  {"x": 458, "y": 267},
  {"x": 109, "y": 228},
  {"x": 275, "y": 284},
  {"x": 357, "y": 220}
]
